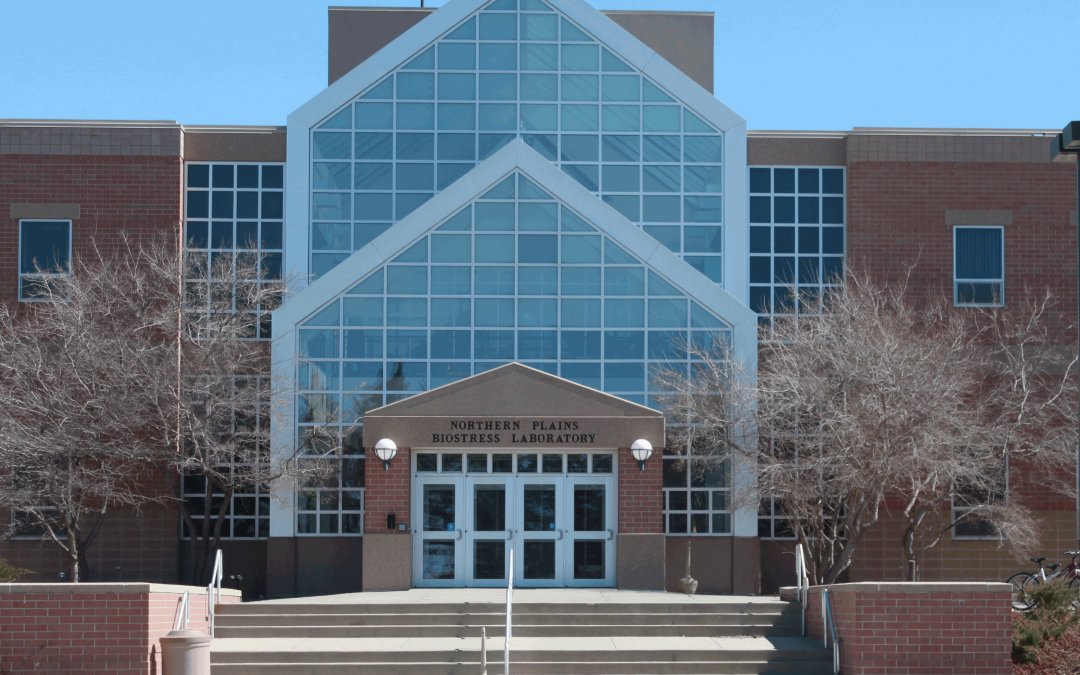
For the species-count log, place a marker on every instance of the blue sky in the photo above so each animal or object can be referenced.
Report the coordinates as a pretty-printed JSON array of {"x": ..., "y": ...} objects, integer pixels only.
[{"x": 831, "y": 64}]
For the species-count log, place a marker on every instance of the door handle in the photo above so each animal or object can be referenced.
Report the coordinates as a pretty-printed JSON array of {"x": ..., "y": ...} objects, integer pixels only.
[
  {"x": 509, "y": 535},
  {"x": 560, "y": 535},
  {"x": 458, "y": 537},
  {"x": 610, "y": 534}
]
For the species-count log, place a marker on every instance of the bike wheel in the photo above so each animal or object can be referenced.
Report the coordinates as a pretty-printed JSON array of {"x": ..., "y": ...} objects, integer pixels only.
[
  {"x": 1022, "y": 583},
  {"x": 1074, "y": 586}
]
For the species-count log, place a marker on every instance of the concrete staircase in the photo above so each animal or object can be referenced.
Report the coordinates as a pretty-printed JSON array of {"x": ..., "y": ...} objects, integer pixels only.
[{"x": 671, "y": 634}]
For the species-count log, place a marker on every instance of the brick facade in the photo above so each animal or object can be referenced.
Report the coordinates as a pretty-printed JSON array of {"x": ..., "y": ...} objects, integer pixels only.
[
  {"x": 386, "y": 490},
  {"x": 92, "y": 629},
  {"x": 111, "y": 180},
  {"x": 898, "y": 216},
  {"x": 641, "y": 494},
  {"x": 137, "y": 195},
  {"x": 918, "y": 629}
]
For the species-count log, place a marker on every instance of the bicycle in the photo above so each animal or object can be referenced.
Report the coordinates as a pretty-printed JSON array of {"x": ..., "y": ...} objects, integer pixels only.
[{"x": 1023, "y": 582}]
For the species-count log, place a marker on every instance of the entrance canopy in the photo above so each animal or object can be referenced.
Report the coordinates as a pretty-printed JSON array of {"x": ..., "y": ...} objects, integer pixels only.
[{"x": 514, "y": 406}]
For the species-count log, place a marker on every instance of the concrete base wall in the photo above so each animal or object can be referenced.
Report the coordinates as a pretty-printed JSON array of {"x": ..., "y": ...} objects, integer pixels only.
[
  {"x": 640, "y": 561},
  {"x": 720, "y": 564},
  {"x": 387, "y": 562},
  {"x": 314, "y": 565},
  {"x": 245, "y": 558}
]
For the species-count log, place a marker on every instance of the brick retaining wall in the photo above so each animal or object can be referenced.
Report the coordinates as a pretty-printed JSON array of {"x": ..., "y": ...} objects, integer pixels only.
[
  {"x": 918, "y": 628},
  {"x": 93, "y": 628}
]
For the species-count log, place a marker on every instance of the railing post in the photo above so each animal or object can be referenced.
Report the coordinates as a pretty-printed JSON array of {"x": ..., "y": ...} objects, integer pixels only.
[
  {"x": 215, "y": 580},
  {"x": 509, "y": 611},
  {"x": 483, "y": 651},
  {"x": 825, "y": 617}
]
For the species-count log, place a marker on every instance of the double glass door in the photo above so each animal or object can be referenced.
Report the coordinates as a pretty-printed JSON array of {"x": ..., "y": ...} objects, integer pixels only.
[{"x": 561, "y": 529}]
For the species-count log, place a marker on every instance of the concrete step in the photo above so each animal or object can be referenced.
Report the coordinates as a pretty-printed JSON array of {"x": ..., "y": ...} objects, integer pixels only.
[
  {"x": 618, "y": 608},
  {"x": 467, "y": 630},
  {"x": 660, "y": 635},
  {"x": 520, "y": 619},
  {"x": 531, "y": 668},
  {"x": 468, "y": 652}
]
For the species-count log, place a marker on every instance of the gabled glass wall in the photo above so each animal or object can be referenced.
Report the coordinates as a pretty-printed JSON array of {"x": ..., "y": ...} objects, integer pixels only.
[
  {"x": 513, "y": 276},
  {"x": 516, "y": 68}
]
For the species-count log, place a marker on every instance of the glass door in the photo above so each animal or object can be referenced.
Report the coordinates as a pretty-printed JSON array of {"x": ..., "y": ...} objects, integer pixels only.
[
  {"x": 590, "y": 531},
  {"x": 539, "y": 531},
  {"x": 438, "y": 549},
  {"x": 489, "y": 523}
]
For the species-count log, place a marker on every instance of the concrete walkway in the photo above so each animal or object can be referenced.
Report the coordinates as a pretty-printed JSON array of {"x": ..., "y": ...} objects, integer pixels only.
[
  {"x": 495, "y": 645},
  {"x": 521, "y": 595}
]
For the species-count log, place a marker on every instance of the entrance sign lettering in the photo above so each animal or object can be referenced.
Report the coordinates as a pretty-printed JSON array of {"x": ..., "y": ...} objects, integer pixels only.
[{"x": 532, "y": 432}]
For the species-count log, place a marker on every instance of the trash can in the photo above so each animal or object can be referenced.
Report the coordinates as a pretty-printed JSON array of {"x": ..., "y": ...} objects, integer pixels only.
[{"x": 185, "y": 652}]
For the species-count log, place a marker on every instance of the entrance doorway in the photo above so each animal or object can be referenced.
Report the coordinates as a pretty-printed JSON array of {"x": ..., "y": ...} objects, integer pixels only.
[{"x": 555, "y": 511}]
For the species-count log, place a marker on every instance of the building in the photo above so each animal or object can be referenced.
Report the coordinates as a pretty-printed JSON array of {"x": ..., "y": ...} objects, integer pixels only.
[{"x": 531, "y": 182}]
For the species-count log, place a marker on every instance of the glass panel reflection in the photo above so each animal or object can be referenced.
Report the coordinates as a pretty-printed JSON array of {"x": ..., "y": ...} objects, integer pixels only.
[
  {"x": 539, "y": 559},
  {"x": 539, "y": 511},
  {"x": 489, "y": 559},
  {"x": 439, "y": 559},
  {"x": 589, "y": 559},
  {"x": 490, "y": 508},
  {"x": 589, "y": 508},
  {"x": 439, "y": 508}
]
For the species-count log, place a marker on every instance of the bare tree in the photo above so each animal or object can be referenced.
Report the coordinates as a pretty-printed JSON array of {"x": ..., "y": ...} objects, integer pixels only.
[
  {"x": 875, "y": 402},
  {"x": 66, "y": 427},
  {"x": 143, "y": 364},
  {"x": 1021, "y": 411}
]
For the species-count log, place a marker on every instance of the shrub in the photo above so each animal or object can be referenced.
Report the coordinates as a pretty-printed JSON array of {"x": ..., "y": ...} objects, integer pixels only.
[
  {"x": 1051, "y": 621},
  {"x": 9, "y": 573},
  {"x": 1055, "y": 656}
]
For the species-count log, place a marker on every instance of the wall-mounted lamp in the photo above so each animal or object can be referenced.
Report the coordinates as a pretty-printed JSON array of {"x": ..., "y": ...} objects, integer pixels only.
[
  {"x": 386, "y": 450},
  {"x": 641, "y": 450}
]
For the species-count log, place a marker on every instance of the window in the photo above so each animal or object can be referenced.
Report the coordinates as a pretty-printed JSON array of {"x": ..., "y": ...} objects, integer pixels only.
[
  {"x": 773, "y": 523},
  {"x": 247, "y": 516},
  {"x": 978, "y": 266},
  {"x": 796, "y": 238},
  {"x": 25, "y": 525},
  {"x": 697, "y": 494},
  {"x": 969, "y": 499},
  {"x": 517, "y": 69},
  {"x": 334, "y": 506},
  {"x": 44, "y": 251},
  {"x": 234, "y": 212},
  {"x": 513, "y": 276},
  {"x": 510, "y": 462}
]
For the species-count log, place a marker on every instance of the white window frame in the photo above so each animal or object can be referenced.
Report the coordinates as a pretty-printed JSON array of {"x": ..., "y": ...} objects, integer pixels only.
[
  {"x": 955, "y": 511},
  {"x": 262, "y": 313},
  {"x": 957, "y": 281},
  {"x": 34, "y": 275},
  {"x": 689, "y": 511},
  {"x": 822, "y": 286},
  {"x": 34, "y": 537}
]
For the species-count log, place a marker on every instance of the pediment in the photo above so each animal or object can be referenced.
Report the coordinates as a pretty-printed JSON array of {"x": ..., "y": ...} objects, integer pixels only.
[{"x": 513, "y": 390}]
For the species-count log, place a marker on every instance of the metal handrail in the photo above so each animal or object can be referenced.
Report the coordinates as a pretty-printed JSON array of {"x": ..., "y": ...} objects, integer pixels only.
[
  {"x": 802, "y": 580},
  {"x": 215, "y": 579},
  {"x": 827, "y": 623},
  {"x": 184, "y": 613},
  {"x": 509, "y": 609}
]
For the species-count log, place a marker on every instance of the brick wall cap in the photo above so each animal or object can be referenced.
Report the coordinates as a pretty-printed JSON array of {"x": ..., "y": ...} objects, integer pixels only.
[
  {"x": 232, "y": 129},
  {"x": 119, "y": 588},
  {"x": 907, "y": 587},
  {"x": 113, "y": 124}
]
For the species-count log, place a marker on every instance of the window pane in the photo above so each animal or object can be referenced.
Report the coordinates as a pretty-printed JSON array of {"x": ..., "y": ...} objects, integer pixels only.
[{"x": 44, "y": 246}]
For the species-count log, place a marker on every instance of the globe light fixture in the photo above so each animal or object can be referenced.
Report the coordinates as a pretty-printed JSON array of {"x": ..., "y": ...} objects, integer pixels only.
[
  {"x": 386, "y": 450},
  {"x": 641, "y": 450}
]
